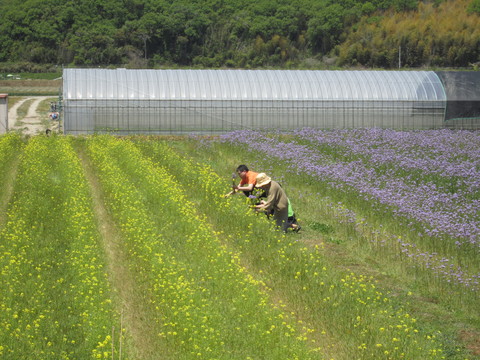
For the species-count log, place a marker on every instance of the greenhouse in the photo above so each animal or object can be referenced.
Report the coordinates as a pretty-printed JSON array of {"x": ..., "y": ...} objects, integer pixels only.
[{"x": 122, "y": 101}]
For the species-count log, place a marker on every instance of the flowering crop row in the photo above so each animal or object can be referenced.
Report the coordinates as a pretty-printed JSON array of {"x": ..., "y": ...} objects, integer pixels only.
[
  {"x": 431, "y": 176},
  {"x": 207, "y": 277},
  {"x": 427, "y": 182},
  {"x": 202, "y": 302},
  {"x": 10, "y": 145},
  {"x": 54, "y": 298},
  {"x": 454, "y": 213},
  {"x": 333, "y": 303}
]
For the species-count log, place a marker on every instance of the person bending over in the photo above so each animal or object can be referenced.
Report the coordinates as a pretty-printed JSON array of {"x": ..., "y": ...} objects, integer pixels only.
[
  {"x": 247, "y": 181},
  {"x": 276, "y": 200}
]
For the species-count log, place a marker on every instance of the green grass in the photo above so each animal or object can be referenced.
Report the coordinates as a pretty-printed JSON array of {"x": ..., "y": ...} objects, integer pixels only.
[
  {"x": 33, "y": 76},
  {"x": 135, "y": 233},
  {"x": 30, "y": 87},
  {"x": 10, "y": 149},
  {"x": 293, "y": 271},
  {"x": 368, "y": 248},
  {"x": 55, "y": 301}
]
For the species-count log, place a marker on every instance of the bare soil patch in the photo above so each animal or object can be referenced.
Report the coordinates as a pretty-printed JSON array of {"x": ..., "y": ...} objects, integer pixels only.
[{"x": 35, "y": 121}]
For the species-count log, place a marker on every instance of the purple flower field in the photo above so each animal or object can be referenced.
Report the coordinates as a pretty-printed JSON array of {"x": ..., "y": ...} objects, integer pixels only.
[{"x": 429, "y": 180}]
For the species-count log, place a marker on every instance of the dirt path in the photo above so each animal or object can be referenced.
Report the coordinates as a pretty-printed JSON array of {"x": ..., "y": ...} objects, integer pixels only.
[
  {"x": 32, "y": 123},
  {"x": 12, "y": 111},
  {"x": 131, "y": 301}
]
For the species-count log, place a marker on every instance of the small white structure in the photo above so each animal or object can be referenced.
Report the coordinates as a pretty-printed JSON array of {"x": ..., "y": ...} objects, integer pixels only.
[{"x": 3, "y": 113}]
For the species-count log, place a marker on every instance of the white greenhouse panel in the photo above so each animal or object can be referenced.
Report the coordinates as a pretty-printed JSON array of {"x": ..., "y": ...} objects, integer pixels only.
[{"x": 214, "y": 101}]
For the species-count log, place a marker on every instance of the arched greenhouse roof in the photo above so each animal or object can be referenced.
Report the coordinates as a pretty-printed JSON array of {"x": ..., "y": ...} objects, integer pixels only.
[{"x": 123, "y": 84}]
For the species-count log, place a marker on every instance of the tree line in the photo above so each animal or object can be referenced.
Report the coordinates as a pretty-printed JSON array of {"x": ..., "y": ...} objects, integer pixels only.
[{"x": 240, "y": 33}]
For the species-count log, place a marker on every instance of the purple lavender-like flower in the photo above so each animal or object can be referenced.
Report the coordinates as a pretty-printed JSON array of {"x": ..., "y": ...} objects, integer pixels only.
[
  {"x": 430, "y": 180},
  {"x": 391, "y": 168}
]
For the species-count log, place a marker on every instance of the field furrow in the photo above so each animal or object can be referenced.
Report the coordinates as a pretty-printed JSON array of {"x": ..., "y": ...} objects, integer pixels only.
[
  {"x": 298, "y": 276},
  {"x": 202, "y": 302},
  {"x": 127, "y": 247},
  {"x": 55, "y": 300}
]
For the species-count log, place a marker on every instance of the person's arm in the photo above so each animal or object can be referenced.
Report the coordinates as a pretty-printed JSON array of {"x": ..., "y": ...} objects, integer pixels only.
[
  {"x": 236, "y": 188},
  {"x": 230, "y": 193},
  {"x": 246, "y": 187},
  {"x": 266, "y": 205}
]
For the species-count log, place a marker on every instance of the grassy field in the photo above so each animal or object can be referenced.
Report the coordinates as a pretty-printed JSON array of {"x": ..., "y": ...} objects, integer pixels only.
[
  {"x": 31, "y": 87},
  {"x": 126, "y": 248}
]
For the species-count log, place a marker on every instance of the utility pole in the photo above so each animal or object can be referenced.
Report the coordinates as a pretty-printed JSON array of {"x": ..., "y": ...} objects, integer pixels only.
[
  {"x": 144, "y": 37},
  {"x": 399, "y": 56}
]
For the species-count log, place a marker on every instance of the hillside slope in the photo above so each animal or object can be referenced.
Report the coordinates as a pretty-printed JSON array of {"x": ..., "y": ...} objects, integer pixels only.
[
  {"x": 443, "y": 35},
  {"x": 228, "y": 33}
]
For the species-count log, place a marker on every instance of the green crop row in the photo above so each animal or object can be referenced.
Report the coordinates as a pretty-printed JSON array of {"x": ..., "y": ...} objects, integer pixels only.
[
  {"x": 126, "y": 248},
  {"x": 202, "y": 302},
  {"x": 329, "y": 303},
  {"x": 55, "y": 301}
]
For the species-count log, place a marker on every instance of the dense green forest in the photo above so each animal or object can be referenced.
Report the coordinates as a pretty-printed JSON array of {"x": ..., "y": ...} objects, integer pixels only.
[{"x": 241, "y": 33}]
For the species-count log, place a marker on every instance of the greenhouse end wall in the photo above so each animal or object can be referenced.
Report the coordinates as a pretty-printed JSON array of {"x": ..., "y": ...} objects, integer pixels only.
[
  {"x": 217, "y": 101},
  {"x": 3, "y": 113},
  {"x": 462, "y": 89}
]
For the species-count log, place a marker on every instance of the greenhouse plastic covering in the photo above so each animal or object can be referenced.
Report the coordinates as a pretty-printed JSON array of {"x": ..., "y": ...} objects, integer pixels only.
[
  {"x": 251, "y": 85},
  {"x": 213, "y": 101}
]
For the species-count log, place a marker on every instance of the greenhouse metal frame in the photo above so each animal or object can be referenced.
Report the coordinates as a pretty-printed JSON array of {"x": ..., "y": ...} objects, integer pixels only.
[{"x": 122, "y": 101}]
